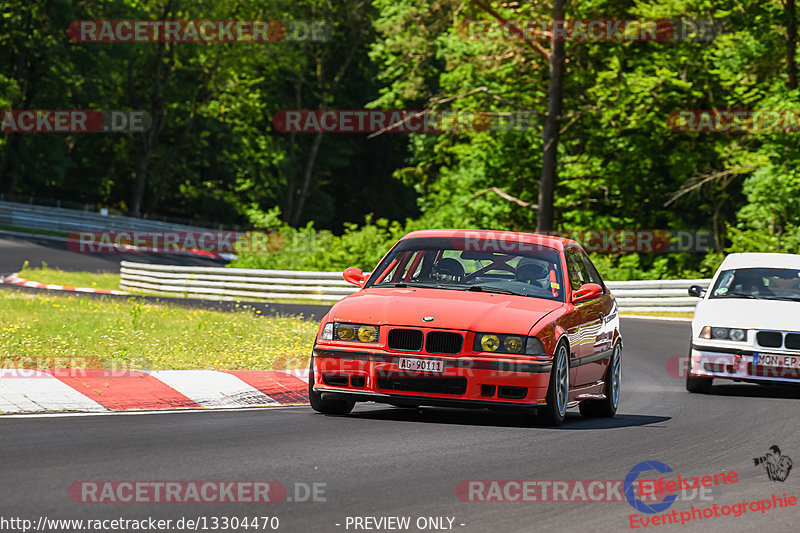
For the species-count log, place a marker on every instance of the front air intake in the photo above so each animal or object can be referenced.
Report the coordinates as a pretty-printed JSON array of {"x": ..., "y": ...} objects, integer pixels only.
[
  {"x": 435, "y": 385},
  {"x": 335, "y": 380},
  {"x": 443, "y": 342},
  {"x": 793, "y": 341},
  {"x": 405, "y": 340},
  {"x": 770, "y": 339}
]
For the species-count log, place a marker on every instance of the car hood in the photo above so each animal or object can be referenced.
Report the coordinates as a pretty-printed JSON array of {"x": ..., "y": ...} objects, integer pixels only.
[
  {"x": 747, "y": 314},
  {"x": 450, "y": 309}
]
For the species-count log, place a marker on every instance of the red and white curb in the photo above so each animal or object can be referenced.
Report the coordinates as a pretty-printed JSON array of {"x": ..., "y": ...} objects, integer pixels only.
[
  {"x": 14, "y": 279},
  {"x": 104, "y": 390}
]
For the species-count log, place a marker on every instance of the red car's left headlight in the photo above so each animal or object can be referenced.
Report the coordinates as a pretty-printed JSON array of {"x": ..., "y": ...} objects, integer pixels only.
[{"x": 340, "y": 331}]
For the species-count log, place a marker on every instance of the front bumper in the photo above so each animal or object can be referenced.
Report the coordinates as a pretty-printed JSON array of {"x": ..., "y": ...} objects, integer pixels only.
[
  {"x": 465, "y": 381},
  {"x": 743, "y": 364}
]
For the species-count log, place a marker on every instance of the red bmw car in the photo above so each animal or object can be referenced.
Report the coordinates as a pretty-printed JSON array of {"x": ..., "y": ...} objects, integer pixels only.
[{"x": 469, "y": 318}]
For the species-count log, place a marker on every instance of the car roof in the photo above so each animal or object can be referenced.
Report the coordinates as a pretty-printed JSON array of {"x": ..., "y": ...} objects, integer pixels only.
[
  {"x": 559, "y": 243},
  {"x": 774, "y": 260}
]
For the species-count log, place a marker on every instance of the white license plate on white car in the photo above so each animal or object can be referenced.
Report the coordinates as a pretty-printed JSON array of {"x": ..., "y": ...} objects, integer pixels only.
[
  {"x": 412, "y": 364},
  {"x": 781, "y": 361}
]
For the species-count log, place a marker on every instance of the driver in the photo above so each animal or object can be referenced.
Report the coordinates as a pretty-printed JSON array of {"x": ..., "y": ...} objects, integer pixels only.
[
  {"x": 532, "y": 272},
  {"x": 749, "y": 282},
  {"x": 448, "y": 270}
]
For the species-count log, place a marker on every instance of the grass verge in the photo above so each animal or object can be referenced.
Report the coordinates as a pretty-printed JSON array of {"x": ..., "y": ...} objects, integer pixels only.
[
  {"x": 92, "y": 280},
  {"x": 42, "y": 331},
  {"x": 667, "y": 314},
  {"x": 34, "y": 231}
]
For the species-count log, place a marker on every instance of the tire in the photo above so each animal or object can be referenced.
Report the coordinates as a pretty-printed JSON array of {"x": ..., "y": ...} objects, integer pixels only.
[
  {"x": 698, "y": 385},
  {"x": 607, "y": 408},
  {"x": 327, "y": 407},
  {"x": 555, "y": 411}
]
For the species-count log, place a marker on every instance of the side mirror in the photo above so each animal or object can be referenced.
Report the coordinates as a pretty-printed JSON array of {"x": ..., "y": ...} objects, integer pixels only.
[
  {"x": 697, "y": 291},
  {"x": 355, "y": 276},
  {"x": 588, "y": 291}
]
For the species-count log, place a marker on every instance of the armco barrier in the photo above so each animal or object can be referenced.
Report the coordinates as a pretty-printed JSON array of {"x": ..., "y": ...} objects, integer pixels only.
[
  {"x": 218, "y": 283},
  {"x": 69, "y": 220},
  {"x": 242, "y": 284},
  {"x": 656, "y": 295}
]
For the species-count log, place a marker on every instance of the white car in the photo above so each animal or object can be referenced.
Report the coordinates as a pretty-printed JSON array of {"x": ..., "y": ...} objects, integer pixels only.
[{"x": 747, "y": 325}]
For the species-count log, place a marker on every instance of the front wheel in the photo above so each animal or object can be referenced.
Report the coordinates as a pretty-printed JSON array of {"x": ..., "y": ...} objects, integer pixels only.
[
  {"x": 698, "y": 385},
  {"x": 326, "y": 406},
  {"x": 555, "y": 411},
  {"x": 607, "y": 407}
]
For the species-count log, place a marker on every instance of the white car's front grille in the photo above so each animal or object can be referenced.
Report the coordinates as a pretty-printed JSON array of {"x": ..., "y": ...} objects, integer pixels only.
[
  {"x": 788, "y": 340},
  {"x": 792, "y": 341}
]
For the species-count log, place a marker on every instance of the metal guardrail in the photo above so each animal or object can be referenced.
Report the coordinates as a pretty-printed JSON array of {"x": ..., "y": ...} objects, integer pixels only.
[
  {"x": 69, "y": 220},
  {"x": 656, "y": 295},
  {"x": 242, "y": 283},
  {"x": 219, "y": 283}
]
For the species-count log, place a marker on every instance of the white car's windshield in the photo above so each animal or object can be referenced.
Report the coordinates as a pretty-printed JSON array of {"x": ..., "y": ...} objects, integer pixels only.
[
  {"x": 524, "y": 270},
  {"x": 758, "y": 283}
]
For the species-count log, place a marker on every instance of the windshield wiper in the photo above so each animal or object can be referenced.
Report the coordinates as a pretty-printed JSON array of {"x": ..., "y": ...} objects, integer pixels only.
[
  {"x": 760, "y": 297},
  {"x": 744, "y": 295},
  {"x": 484, "y": 288},
  {"x": 412, "y": 285}
]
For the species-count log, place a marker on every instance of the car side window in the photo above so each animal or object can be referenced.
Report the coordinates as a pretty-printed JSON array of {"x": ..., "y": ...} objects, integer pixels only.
[
  {"x": 576, "y": 269},
  {"x": 594, "y": 275}
]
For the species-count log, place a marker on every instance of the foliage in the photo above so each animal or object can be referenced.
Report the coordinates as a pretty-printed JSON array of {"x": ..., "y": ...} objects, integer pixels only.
[{"x": 217, "y": 157}]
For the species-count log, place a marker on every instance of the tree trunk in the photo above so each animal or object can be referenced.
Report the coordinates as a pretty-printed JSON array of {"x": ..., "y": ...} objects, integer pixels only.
[
  {"x": 307, "y": 173},
  {"x": 291, "y": 174},
  {"x": 9, "y": 168},
  {"x": 326, "y": 95},
  {"x": 550, "y": 134},
  {"x": 10, "y": 155},
  {"x": 150, "y": 138},
  {"x": 141, "y": 178},
  {"x": 791, "y": 44}
]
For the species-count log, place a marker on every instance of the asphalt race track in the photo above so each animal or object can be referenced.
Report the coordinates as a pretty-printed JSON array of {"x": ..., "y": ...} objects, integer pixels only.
[
  {"x": 396, "y": 462},
  {"x": 14, "y": 251}
]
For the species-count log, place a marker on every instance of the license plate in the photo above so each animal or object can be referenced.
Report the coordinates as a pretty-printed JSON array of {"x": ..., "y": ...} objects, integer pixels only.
[
  {"x": 781, "y": 361},
  {"x": 420, "y": 365}
]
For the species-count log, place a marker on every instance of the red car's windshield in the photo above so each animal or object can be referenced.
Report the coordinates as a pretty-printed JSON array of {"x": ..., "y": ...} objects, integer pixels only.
[{"x": 441, "y": 263}]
